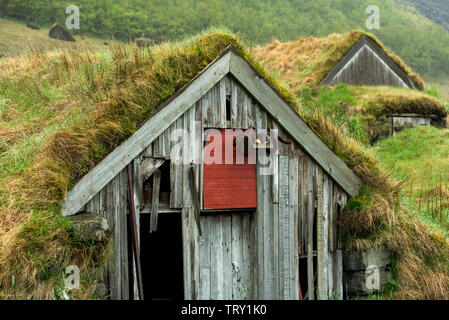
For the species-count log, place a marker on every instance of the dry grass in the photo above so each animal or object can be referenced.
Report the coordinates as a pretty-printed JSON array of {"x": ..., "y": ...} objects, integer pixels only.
[{"x": 16, "y": 38}]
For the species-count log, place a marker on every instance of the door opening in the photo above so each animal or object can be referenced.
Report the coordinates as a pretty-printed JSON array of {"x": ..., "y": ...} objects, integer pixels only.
[{"x": 161, "y": 257}]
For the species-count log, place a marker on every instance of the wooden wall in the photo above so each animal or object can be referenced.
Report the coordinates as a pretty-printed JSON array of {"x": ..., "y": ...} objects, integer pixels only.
[
  {"x": 367, "y": 68},
  {"x": 400, "y": 122},
  {"x": 240, "y": 255}
]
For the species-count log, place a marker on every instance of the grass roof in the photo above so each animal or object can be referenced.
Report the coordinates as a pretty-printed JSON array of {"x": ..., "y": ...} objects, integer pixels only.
[
  {"x": 307, "y": 61},
  {"x": 62, "y": 112}
]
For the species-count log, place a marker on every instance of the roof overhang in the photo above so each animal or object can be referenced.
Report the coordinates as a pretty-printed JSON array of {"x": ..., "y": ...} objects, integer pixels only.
[{"x": 366, "y": 41}]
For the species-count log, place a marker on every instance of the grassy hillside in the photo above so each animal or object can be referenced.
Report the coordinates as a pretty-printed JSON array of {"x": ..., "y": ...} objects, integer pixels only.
[
  {"x": 16, "y": 38},
  {"x": 420, "y": 158},
  {"x": 419, "y": 41}
]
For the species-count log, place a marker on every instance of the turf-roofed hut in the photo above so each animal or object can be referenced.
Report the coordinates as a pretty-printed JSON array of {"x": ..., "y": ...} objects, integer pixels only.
[
  {"x": 246, "y": 228},
  {"x": 382, "y": 84},
  {"x": 124, "y": 106}
]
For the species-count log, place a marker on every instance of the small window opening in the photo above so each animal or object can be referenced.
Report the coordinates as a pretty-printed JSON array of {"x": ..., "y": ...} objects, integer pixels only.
[
  {"x": 228, "y": 108},
  {"x": 164, "y": 191}
]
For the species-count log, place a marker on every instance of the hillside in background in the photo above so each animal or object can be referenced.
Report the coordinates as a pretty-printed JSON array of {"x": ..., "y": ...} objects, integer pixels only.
[
  {"x": 420, "y": 42},
  {"x": 435, "y": 10},
  {"x": 16, "y": 38}
]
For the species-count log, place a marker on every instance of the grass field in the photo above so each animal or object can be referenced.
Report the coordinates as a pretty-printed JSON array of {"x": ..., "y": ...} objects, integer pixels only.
[
  {"x": 420, "y": 157},
  {"x": 16, "y": 39}
]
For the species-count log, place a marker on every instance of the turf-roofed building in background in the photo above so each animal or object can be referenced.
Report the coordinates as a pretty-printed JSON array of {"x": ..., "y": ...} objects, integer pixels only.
[
  {"x": 372, "y": 73},
  {"x": 101, "y": 146}
]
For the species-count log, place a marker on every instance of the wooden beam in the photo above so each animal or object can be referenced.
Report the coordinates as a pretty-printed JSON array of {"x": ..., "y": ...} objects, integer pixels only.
[
  {"x": 104, "y": 172},
  {"x": 281, "y": 112},
  {"x": 195, "y": 198},
  {"x": 155, "y": 201},
  {"x": 148, "y": 166}
]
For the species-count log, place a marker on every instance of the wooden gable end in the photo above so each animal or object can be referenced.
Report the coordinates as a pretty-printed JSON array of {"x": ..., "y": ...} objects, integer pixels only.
[
  {"x": 208, "y": 92},
  {"x": 368, "y": 64}
]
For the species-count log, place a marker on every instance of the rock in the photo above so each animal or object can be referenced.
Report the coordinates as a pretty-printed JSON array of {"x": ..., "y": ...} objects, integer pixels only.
[
  {"x": 60, "y": 33},
  {"x": 101, "y": 290},
  {"x": 360, "y": 260},
  {"x": 89, "y": 226},
  {"x": 143, "y": 42},
  {"x": 354, "y": 283},
  {"x": 33, "y": 26}
]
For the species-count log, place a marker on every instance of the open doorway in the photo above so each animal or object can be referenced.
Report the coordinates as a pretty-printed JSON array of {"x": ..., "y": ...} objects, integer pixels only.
[{"x": 161, "y": 257}]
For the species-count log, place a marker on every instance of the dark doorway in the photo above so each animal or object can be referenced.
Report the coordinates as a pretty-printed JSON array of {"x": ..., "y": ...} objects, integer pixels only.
[{"x": 161, "y": 256}]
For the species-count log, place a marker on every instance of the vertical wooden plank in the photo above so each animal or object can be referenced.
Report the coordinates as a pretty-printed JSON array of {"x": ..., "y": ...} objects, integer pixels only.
[
  {"x": 275, "y": 164},
  {"x": 237, "y": 257},
  {"x": 205, "y": 109},
  {"x": 186, "y": 254},
  {"x": 194, "y": 254},
  {"x": 221, "y": 115},
  {"x": 284, "y": 228},
  {"x": 310, "y": 229},
  {"x": 246, "y": 257},
  {"x": 246, "y": 100},
  {"x": 205, "y": 263},
  {"x": 251, "y": 112},
  {"x": 226, "y": 222},
  {"x": 123, "y": 218},
  {"x": 155, "y": 201},
  {"x": 217, "y": 268},
  {"x": 293, "y": 227},
  {"x": 114, "y": 280},
  {"x": 234, "y": 105},
  {"x": 253, "y": 268},
  {"x": 339, "y": 274},
  {"x": 259, "y": 219}
]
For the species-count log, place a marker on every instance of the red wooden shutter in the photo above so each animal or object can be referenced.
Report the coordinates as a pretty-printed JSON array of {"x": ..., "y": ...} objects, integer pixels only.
[{"x": 229, "y": 186}]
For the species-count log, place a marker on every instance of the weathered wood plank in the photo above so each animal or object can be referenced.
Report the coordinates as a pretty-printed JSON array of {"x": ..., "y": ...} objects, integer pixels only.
[
  {"x": 310, "y": 229},
  {"x": 226, "y": 223},
  {"x": 123, "y": 218},
  {"x": 148, "y": 166},
  {"x": 216, "y": 233},
  {"x": 246, "y": 269},
  {"x": 284, "y": 229},
  {"x": 155, "y": 201},
  {"x": 205, "y": 263},
  {"x": 237, "y": 257},
  {"x": 187, "y": 252},
  {"x": 234, "y": 105},
  {"x": 293, "y": 227}
]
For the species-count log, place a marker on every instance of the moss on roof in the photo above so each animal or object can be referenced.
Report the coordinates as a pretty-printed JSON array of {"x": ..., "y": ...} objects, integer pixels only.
[
  {"x": 62, "y": 112},
  {"x": 307, "y": 61}
]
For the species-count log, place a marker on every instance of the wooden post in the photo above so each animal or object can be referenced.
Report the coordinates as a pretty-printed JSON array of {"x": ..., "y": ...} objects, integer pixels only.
[{"x": 155, "y": 201}]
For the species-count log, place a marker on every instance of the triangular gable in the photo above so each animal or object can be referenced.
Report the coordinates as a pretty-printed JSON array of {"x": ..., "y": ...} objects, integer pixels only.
[
  {"x": 368, "y": 64},
  {"x": 229, "y": 62}
]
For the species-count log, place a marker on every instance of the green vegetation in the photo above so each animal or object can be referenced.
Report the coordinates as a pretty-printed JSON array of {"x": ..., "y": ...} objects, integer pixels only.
[
  {"x": 421, "y": 43},
  {"x": 420, "y": 158}
]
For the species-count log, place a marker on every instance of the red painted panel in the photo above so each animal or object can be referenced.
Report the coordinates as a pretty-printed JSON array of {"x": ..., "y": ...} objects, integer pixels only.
[{"x": 229, "y": 186}]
